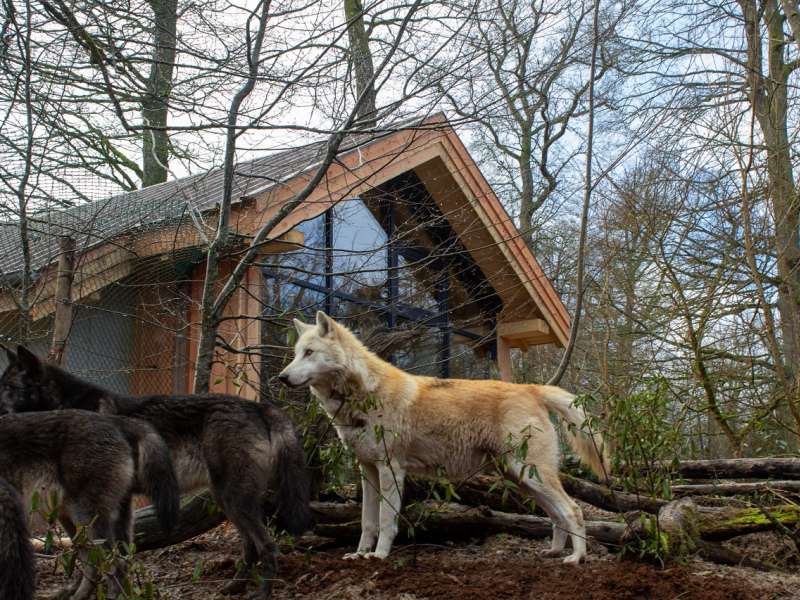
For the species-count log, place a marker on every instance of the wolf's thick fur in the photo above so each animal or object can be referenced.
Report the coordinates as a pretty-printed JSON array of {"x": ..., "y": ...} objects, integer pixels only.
[
  {"x": 16, "y": 554},
  {"x": 398, "y": 423},
  {"x": 248, "y": 453},
  {"x": 93, "y": 464}
]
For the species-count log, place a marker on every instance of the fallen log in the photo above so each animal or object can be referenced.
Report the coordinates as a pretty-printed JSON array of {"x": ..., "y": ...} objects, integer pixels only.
[
  {"x": 735, "y": 488},
  {"x": 604, "y": 497},
  {"x": 726, "y": 523},
  {"x": 343, "y": 520},
  {"x": 738, "y": 468},
  {"x": 716, "y": 525},
  {"x": 676, "y": 533},
  {"x": 426, "y": 521},
  {"x": 488, "y": 490},
  {"x": 451, "y": 521},
  {"x": 482, "y": 490},
  {"x": 199, "y": 513}
]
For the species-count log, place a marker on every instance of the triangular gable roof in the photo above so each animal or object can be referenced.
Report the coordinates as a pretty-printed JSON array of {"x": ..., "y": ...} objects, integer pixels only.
[
  {"x": 438, "y": 156},
  {"x": 430, "y": 148}
]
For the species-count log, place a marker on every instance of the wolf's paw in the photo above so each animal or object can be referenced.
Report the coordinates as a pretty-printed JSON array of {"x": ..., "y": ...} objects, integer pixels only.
[
  {"x": 353, "y": 555},
  {"x": 64, "y": 593},
  {"x": 574, "y": 559},
  {"x": 378, "y": 555},
  {"x": 552, "y": 553},
  {"x": 234, "y": 587}
]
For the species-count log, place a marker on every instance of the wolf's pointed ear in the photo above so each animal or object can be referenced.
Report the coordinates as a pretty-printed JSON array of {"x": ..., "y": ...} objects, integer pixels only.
[
  {"x": 29, "y": 361},
  {"x": 325, "y": 324},
  {"x": 300, "y": 326}
]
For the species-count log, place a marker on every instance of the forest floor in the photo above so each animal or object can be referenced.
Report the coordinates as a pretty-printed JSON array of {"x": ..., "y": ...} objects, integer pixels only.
[{"x": 498, "y": 567}]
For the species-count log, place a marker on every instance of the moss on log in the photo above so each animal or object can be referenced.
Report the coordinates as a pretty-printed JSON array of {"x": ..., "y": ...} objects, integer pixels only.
[{"x": 732, "y": 522}]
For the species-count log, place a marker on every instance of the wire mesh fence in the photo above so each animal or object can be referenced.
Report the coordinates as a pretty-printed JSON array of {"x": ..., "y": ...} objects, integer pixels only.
[{"x": 136, "y": 299}]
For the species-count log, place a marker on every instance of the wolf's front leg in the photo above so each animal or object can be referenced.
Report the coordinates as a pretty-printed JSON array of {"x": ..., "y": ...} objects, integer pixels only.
[
  {"x": 391, "y": 477},
  {"x": 370, "y": 497}
]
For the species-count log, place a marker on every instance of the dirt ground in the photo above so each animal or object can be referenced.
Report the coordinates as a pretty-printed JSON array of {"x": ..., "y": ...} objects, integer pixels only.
[{"x": 499, "y": 567}]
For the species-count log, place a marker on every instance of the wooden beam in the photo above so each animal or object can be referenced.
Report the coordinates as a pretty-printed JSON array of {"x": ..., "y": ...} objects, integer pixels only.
[
  {"x": 288, "y": 242},
  {"x": 530, "y": 332},
  {"x": 517, "y": 330}
]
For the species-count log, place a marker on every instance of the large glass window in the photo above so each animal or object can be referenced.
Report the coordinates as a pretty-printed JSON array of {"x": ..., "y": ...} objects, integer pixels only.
[
  {"x": 360, "y": 247},
  {"x": 344, "y": 267},
  {"x": 295, "y": 281}
]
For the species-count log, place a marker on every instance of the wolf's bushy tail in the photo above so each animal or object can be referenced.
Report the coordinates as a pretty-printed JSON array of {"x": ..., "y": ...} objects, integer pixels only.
[
  {"x": 587, "y": 445},
  {"x": 16, "y": 554},
  {"x": 293, "y": 486},
  {"x": 156, "y": 477}
]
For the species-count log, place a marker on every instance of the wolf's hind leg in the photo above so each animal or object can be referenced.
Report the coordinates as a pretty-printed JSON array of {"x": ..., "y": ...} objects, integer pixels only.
[
  {"x": 67, "y": 522},
  {"x": 123, "y": 529},
  {"x": 101, "y": 528},
  {"x": 246, "y": 513},
  {"x": 370, "y": 510},
  {"x": 543, "y": 483}
]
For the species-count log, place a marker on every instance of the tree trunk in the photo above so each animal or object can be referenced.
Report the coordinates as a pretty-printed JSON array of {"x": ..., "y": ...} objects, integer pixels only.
[
  {"x": 361, "y": 62},
  {"x": 62, "y": 321},
  {"x": 769, "y": 102},
  {"x": 155, "y": 104},
  {"x": 210, "y": 310}
]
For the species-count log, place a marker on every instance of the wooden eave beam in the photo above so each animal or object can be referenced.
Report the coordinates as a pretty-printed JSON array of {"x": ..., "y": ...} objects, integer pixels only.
[{"x": 522, "y": 334}]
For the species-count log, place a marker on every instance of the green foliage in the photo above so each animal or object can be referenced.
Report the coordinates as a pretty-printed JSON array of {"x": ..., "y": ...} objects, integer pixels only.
[
  {"x": 652, "y": 544},
  {"x": 128, "y": 573},
  {"x": 646, "y": 442},
  {"x": 442, "y": 489},
  {"x": 116, "y": 568}
]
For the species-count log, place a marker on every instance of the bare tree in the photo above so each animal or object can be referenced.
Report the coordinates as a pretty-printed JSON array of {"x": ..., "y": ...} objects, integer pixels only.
[
  {"x": 527, "y": 87},
  {"x": 213, "y": 302}
]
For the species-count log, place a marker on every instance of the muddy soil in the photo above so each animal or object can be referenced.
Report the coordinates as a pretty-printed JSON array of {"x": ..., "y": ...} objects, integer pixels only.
[{"x": 501, "y": 567}]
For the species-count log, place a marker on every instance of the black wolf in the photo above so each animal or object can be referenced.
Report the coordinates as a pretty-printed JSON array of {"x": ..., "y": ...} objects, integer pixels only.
[
  {"x": 246, "y": 452},
  {"x": 93, "y": 464},
  {"x": 16, "y": 555}
]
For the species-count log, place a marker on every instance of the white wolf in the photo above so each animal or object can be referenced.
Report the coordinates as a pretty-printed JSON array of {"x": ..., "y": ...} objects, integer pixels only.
[{"x": 398, "y": 423}]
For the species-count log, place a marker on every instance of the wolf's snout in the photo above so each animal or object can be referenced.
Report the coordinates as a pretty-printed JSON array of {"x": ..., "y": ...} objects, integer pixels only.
[{"x": 284, "y": 379}]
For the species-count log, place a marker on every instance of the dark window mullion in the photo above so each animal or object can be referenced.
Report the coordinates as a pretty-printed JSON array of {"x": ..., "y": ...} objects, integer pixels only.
[
  {"x": 445, "y": 330},
  {"x": 392, "y": 263},
  {"x": 328, "y": 305}
]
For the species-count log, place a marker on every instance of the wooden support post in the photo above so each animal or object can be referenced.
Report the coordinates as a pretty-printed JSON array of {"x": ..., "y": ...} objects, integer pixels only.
[
  {"x": 62, "y": 321},
  {"x": 504, "y": 359}
]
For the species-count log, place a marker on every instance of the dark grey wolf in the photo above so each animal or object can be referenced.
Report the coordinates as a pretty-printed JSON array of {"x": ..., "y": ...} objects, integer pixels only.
[
  {"x": 16, "y": 555},
  {"x": 246, "y": 452},
  {"x": 93, "y": 464}
]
